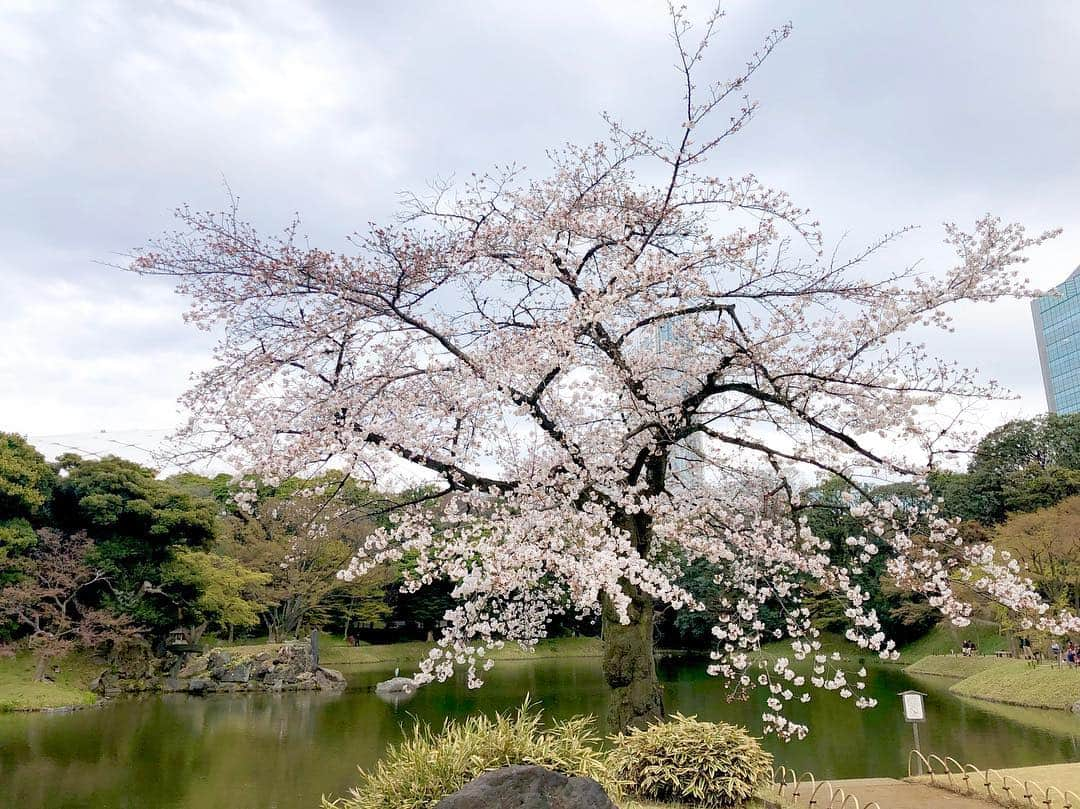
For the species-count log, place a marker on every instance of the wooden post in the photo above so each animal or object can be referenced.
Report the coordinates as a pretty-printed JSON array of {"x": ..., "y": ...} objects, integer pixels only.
[{"x": 918, "y": 758}]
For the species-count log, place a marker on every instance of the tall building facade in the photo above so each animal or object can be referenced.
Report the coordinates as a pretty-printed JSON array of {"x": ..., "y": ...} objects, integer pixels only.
[
  {"x": 1057, "y": 332},
  {"x": 687, "y": 460}
]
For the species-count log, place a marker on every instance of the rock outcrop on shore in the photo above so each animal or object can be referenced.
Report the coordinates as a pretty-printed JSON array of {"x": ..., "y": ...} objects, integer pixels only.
[{"x": 288, "y": 667}]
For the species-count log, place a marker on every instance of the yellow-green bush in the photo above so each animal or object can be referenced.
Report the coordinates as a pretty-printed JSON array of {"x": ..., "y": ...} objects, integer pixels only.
[
  {"x": 427, "y": 766},
  {"x": 704, "y": 763}
]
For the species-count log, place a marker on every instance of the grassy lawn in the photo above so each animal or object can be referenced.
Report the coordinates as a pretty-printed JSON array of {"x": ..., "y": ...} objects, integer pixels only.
[
  {"x": 1007, "y": 681},
  {"x": 946, "y": 639},
  {"x": 955, "y": 666},
  {"x": 340, "y": 653},
  {"x": 1014, "y": 682},
  {"x": 334, "y": 651},
  {"x": 19, "y": 692}
]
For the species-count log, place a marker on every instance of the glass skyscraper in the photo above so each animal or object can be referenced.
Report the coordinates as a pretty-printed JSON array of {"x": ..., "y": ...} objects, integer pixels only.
[{"x": 1057, "y": 331}]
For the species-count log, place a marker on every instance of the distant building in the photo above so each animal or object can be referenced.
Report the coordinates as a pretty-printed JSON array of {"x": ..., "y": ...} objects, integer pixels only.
[
  {"x": 1057, "y": 332},
  {"x": 686, "y": 462}
]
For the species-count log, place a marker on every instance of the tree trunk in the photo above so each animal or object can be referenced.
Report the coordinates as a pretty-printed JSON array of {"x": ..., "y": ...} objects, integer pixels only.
[{"x": 637, "y": 698}]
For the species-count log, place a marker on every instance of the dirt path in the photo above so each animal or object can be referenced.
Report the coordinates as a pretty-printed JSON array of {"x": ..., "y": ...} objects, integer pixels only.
[{"x": 889, "y": 793}]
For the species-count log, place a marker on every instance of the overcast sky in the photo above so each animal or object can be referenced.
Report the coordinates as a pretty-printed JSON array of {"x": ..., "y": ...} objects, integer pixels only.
[{"x": 874, "y": 115}]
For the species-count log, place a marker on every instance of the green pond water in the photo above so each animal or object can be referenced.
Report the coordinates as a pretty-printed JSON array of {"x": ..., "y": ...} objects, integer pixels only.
[{"x": 284, "y": 751}]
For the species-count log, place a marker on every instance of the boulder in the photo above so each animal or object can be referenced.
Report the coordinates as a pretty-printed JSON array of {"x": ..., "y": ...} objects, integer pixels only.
[
  {"x": 289, "y": 669},
  {"x": 528, "y": 787},
  {"x": 328, "y": 678},
  {"x": 240, "y": 673},
  {"x": 395, "y": 685},
  {"x": 194, "y": 666},
  {"x": 218, "y": 662}
]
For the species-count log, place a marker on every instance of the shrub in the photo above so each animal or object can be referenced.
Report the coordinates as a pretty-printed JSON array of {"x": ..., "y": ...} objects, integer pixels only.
[
  {"x": 704, "y": 763},
  {"x": 427, "y": 766}
]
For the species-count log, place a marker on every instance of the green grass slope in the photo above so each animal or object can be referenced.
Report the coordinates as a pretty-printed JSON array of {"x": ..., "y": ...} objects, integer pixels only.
[
  {"x": 946, "y": 639},
  {"x": 69, "y": 686},
  {"x": 1014, "y": 682},
  {"x": 954, "y": 666}
]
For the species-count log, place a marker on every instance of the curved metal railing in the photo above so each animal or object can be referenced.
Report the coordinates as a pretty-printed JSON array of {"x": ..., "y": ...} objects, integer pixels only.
[
  {"x": 806, "y": 791},
  {"x": 967, "y": 779}
]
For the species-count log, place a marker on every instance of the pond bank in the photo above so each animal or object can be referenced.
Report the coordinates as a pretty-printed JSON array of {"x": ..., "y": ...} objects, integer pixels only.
[
  {"x": 1006, "y": 681},
  {"x": 73, "y": 680},
  {"x": 280, "y": 667}
]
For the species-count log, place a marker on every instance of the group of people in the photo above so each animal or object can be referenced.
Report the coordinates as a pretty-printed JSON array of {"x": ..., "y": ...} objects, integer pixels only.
[{"x": 1070, "y": 654}]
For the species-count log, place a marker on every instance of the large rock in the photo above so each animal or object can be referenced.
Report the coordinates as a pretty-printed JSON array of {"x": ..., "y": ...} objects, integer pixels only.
[
  {"x": 329, "y": 679},
  {"x": 239, "y": 673},
  {"x": 396, "y": 684},
  {"x": 195, "y": 666},
  {"x": 528, "y": 787}
]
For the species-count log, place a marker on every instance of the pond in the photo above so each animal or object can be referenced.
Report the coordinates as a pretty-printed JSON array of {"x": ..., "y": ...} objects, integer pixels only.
[{"x": 284, "y": 751}]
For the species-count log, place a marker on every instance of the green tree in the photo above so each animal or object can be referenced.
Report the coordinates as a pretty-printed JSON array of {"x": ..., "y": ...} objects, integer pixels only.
[
  {"x": 1035, "y": 487},
  {"x": 904, "y": 616},
  {"x": 363, "y": 601},
  {"x": 26, "y": 484},
  {"x": 136, "y": 522},
  {"x": 1023, "y": 464},
  {"x": 220, "y": 591},
  {"x": 291, "y": 534},
  {"x": 957, "y": 493},
  {"x": 692, "y": 629},
  {"x": 218, "y": 488},
  {"x": 26, "y": 480}
]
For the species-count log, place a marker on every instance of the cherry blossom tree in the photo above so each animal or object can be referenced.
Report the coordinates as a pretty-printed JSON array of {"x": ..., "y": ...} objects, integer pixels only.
[
  {"x": 551, "y": 349},
  {"x": 48, "y": 601}
]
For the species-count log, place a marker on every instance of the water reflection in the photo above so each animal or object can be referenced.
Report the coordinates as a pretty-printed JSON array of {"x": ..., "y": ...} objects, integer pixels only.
[{"x": 284, "y": 751}]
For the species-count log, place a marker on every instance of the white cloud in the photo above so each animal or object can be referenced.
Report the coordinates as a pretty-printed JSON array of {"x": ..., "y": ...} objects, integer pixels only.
[{"x": 875, "y": 115}]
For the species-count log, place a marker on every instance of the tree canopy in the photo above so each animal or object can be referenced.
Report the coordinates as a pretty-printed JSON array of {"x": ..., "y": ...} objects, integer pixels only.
[
  {"x": 26, "y": 484},
  {"x": 136, "y": 522},
  {"x": 1047, "y": 542},
  {"x": 1024, "y": 465}
]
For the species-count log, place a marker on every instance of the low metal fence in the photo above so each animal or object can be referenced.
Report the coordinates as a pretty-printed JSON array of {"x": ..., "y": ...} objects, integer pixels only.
[
  {"x": 1002, "y": 788},
  {"x": 806, "y": 791}
]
